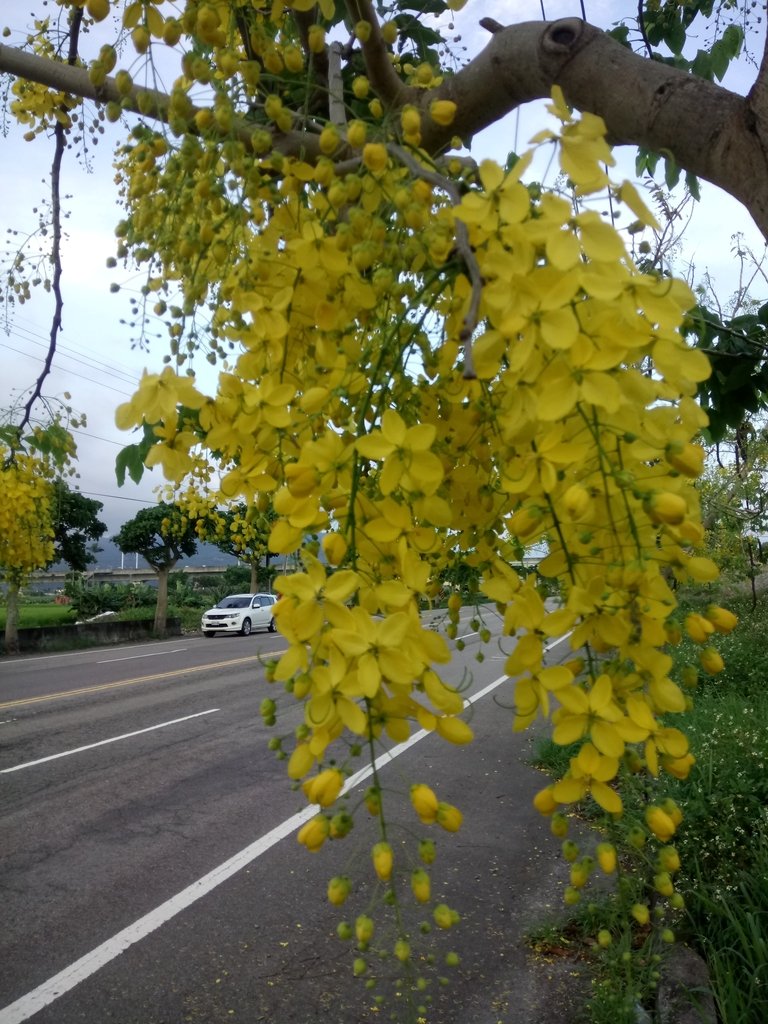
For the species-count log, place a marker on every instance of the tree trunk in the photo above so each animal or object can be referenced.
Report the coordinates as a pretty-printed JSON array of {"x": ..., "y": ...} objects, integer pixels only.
[
  {"x": 12, "y": 618},
  {"x": 161, "y": 609},
  {"x": 254, "y": 577}
]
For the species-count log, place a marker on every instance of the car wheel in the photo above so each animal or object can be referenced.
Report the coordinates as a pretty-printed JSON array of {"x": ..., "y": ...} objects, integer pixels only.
[
  {"x": 245, "y": 629},
  {"x": 272, "y": 627},
  {"x": 208, "y": 632}
]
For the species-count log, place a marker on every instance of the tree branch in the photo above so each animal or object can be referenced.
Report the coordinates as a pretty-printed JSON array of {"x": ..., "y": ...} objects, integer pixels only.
[
  {"x": 714, "y": 133},
  {"x": 60, "y": 136},
  {"x": 149, "y": 103},
  {"x": 382, "y": 76}
]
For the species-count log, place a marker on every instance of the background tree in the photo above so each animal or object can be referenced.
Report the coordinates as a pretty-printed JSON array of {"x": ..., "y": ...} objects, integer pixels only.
[
  {"x": 243, "y": 532},
  {"x": 161, "y": 535},
  {"x": 76, "y": 527}
]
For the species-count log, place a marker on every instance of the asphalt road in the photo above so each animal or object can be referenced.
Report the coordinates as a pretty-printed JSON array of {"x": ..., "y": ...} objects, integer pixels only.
[{"x": 150, "y": 872}]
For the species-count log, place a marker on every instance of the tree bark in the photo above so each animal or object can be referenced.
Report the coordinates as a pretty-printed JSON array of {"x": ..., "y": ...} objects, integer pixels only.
[
  {"x": 161, "y": 608},
  {"x": 12, "y": 617},
  {"x": 710, "y": 131},
  {"x": 254, "y": 577}
]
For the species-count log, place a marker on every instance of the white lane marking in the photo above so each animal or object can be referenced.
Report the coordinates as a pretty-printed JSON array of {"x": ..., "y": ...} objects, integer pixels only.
[
  {"x": 101, "y": 743},
  {"x": 71, "y": 976},
  {"x": 78, "y": 654},
  {"x": 132, "y": 657}
]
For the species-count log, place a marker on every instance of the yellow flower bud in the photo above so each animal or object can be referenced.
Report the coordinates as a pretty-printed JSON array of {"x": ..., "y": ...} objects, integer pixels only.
[
  {"x": 544, "y": 801},
  {"x": 373, "y": 800},
  {"x": 444, "y": 917},
  {"x": 364, "y": 928},
  {"x": 410, "y": 120},
  {"x": 421, "y": 885},
  {"x": 660, "y": 823},
  {"x": 338, "y": 889},
  {"x": 711, "y": 661},
  {"x": 357, "y": 133},
  {"x": 316, "y": 38},
  {"x": 376, "y": 108},
  {"x": 662, "y": 883},
  {"x": 329, "y": 139},
  {"x": 641, "y": 913},
  {"x": 375, "y": 157},
  {"x": 670, "y": 807},
  {"x": 558, "y": 825},
  {"x": 442, "y": 112},
  {"x": 424, "y": 803},
  {"x": 686, "y": 458},
  {"x": 723, "y": 620},
  {"x": 389, "y": 32},
  {"x": 666, "y": 507},
  {"x": 576, "y": 501},
  {"x": 324, "y": 788},
  {"x": 402, "y": 950},
  {"x": 669, "y": 859},
  {"x": 449, "y": 817},
  {"x": 698, "y": 628},
  {"x": 604, "y": 938},
  {"x": 382, "y": 861},
  {"x": 314, "y": 833},
  {"x": 363, "y": 31},
  {"x": 427, "y": 850},
  {"x": 680, "y": 767},
  {"x": 606, "y": 857},
  {"x": 361, "y": 87}
]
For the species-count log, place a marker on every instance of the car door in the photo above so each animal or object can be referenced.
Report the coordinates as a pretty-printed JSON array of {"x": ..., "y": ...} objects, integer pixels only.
[{"x": 261, "y": 613}]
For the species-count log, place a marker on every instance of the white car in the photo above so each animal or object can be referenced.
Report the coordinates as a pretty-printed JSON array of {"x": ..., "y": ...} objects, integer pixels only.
[{"x": 240, "y": 613}]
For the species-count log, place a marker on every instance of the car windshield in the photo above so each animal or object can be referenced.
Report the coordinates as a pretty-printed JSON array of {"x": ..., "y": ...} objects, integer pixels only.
[{"x": 234, "y": 602}]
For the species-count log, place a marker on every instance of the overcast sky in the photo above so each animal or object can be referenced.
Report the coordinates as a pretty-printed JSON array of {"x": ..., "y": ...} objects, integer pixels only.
[{"x": 95, "y": 361}]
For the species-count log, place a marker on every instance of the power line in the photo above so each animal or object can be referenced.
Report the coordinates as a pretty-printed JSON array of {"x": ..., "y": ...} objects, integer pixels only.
[{"x": 72, "y": 373}]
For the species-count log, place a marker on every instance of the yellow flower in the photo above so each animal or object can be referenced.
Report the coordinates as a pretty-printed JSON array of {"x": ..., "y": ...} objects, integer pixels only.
[
  {"x": 408, "y": 461},
  {"x": 590, "y": 712},
  {"x": 590, "y": 773},
  {"x": 711, "y": 661},
  {"x": 442, "y": 112}
]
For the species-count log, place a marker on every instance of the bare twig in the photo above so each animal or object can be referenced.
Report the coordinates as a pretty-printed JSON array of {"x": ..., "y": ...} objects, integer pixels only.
[
  {"x": 60, "y": 137},
  {"x": 336, "y": 109},
  {"x": 463, "y": 247}
]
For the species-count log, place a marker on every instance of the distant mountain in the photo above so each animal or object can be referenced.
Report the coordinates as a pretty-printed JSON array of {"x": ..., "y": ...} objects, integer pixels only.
[{"x": 110, "y": 557}]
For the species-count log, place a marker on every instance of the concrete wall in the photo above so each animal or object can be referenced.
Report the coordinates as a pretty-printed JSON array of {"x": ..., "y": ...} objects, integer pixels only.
[{"x": 88, "y": 634}]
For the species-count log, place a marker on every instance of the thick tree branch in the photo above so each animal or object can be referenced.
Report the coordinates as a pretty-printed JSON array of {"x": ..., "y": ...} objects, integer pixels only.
[
  {"x": 714, "y": 133},
  {"x": 149, "y": 103},
  {"x": 383, "y": 77},
  {"x": 708, "y": 130}
]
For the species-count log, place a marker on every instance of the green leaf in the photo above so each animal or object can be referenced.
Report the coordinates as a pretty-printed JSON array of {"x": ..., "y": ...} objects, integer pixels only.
[
  {"x": 129, "y": 460},
  {"x": 719, "y": 59},
  {"x": 674, "y": 36},
  {"x": 671, "y": 172},
  {"x": 692, "y": 184},
  {"x": 732, "y": 40},
  {"x": 702, "y": 65}
]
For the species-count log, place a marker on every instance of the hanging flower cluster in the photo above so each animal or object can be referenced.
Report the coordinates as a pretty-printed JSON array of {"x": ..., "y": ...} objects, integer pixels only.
[
  {"x": 26, "y": 524},
  {"x": 422, "y": 365}
]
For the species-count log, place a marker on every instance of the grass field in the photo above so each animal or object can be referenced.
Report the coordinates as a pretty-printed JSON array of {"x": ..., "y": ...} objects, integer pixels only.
[{"x": 40, "y": 615}]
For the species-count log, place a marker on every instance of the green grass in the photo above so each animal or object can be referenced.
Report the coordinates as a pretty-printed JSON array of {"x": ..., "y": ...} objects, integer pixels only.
[
  {"x": 31, "y": 615},
  {"x": 723, "y": 842}
]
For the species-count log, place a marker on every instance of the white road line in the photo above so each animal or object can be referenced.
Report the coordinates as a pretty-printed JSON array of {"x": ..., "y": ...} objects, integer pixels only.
[
  {"x": 76, "y": 654},
  {"x": 132, "y": 657},
  {"x": 71, "y": 976},
  {"x": 101, "y": 743}
]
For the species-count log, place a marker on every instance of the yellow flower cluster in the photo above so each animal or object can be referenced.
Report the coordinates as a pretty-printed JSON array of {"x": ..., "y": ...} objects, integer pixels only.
[{"x": 26, "y": 527}]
